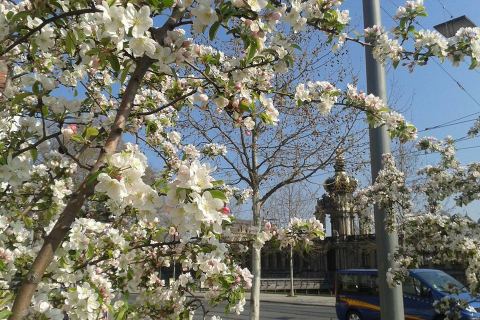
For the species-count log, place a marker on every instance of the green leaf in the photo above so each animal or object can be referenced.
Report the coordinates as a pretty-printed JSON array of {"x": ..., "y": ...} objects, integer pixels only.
[
  {"x": 124, "y": 73},
  {"x": 474, "y": 64},
  {"x": 91, "y": 132},
  {"x": 296, "y": 46},
  {"x": 20, "y": 97},
  {"x": 34, "y": 154},
  {"x": 28, "y": 222},
  {"x": 252, "y": 50},
  {"x": 93, "y": 178},
  {"x": 44, "y": 110},
  {"x": 36, "y": 88},
  {"x": 213, "y": 30},
  {"x": 90, "y": 251},
  {"x": 77, "y": 138},
  {"x": 122, "y": 314},
  {"x": 218, "y": 194},
  {"x": 167, "y": 3},
  {"x": 70, "y": 42},
  {"x": 114, "y": 63},
  {"x": 217, "y": 183},
  {"x": 4, "y": 314},
  {"x": 19, "y": 16}
]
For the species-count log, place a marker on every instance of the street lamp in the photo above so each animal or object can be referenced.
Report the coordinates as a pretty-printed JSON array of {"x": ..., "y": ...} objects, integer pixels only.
[{"x": 449, "y": 29}]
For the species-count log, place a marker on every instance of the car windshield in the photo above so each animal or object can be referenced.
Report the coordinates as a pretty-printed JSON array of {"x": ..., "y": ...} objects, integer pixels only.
[{"x": 441, "y": 281}]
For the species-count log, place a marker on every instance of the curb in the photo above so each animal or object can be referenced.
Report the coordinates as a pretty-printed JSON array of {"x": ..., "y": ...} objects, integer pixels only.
[
  {"x": 293, "y": 301},
  {"x": 299, "y": 303}
]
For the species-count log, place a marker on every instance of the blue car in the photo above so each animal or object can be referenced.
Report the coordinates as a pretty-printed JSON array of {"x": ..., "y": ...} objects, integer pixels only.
[{"x": 357, "y": 296}]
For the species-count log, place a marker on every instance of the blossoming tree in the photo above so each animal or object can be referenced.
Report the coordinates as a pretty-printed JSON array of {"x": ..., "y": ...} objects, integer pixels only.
[
  {"x": 266, "y": 158},
  {"x": 83, "y": 235},
  {"x": 429, "y": 236}
]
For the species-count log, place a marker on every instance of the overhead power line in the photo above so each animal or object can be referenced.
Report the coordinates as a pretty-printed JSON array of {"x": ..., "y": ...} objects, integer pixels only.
[
  {"x": 445, "y": 8},
  {"x": 457, "y": 82}
]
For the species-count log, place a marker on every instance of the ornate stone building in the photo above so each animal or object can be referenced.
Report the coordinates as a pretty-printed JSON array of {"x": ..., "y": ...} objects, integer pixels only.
[{"x": 351, "y": 245}]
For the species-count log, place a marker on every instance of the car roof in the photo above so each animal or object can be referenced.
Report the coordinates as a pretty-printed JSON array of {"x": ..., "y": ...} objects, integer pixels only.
[{"x": 356, "y": 271}]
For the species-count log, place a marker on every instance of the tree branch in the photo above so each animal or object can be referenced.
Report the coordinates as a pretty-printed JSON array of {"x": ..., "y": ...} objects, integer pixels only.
[
  {"x": 78, "y": 198},
  {"x": 44, "y": 23}
]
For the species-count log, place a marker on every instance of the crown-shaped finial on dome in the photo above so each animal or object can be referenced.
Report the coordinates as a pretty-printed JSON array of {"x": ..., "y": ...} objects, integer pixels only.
[
  {"x": 341, "y": 182},
  {"x": 339, "y": 160}
]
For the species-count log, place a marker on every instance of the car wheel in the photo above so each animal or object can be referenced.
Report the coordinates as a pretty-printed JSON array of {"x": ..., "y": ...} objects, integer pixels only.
[{"x": 353, "y": 315}]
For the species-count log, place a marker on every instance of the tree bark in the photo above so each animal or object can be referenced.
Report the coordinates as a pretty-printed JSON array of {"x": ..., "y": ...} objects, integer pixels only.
[
  {"x": 67, "y": 217},
  {"x": 256, "y": 253},
  {"x": 292, "y": 290},
  {"x": 256, "y": 262},
  {"x": 72, "y": 209}
]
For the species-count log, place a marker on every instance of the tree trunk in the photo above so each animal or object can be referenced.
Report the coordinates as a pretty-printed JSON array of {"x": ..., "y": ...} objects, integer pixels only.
[
  {"x": 256, "y": 262},
  {"x": 70, "y": 213},
  {"x": 292, "y": 290},
  {"x": 51, "y": 242}
]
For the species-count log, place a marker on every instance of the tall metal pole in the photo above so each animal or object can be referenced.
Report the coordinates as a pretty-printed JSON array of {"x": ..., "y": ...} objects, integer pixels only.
[{"x": 391, "y": 299}]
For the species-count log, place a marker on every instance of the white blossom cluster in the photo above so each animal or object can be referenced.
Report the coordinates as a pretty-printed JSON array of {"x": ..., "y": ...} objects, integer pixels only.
[
  {"x": 135, "y": 68},
  {"x": 384, "y": 48},
  {"x": 298, "y": 233},
  {"x": 379, "y": 114},
  {"x": 444, "y": 239},
  {"x": 323, "y": 93},
  {"x": 389, "y": 192},
  {"x": 411, "y": 9}
]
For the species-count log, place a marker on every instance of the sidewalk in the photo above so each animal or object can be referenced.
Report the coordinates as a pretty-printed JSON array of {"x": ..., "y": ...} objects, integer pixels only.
[{"x": 312, "y": 300}]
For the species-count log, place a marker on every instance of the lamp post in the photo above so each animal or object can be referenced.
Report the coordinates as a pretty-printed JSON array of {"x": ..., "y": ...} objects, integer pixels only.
[{"x": 391, "y": 299}]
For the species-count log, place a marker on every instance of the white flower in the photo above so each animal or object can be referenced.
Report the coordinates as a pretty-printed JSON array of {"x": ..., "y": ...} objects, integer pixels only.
[
  {"x": 204, "y": 15},
  {"x": 301, "y": 93},
  {"x": 195, "y": 176},
  {"x": 139, "y": 20},
  {"x": 45, "y": 39},
  {"x": 174, "y": 137},
  {"x": 143, "y": 45},
  {"x": 112, "y": 18},
  {"x": 249, "y": 123},
  {"x": 221, "y": 102},
  {"x": 257, "y": 5},
  {"x": 343, "y": 16},
  {"x": 294, "y": 18},
  {"x": 115, "y": 189}
]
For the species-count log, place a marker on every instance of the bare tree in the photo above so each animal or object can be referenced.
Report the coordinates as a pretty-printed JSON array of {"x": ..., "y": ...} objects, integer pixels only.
[
  {"x": 292, "y": 201},
  {"x": 269, "y": 158}
]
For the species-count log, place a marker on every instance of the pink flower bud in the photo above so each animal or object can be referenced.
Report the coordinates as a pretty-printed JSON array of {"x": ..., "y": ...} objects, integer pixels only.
[
  {"x": 74, "y": 127},
  {"x": 225, "y": 210},
  {"x": 275, "y": 16},
  {"x": 268, "y": 226}
]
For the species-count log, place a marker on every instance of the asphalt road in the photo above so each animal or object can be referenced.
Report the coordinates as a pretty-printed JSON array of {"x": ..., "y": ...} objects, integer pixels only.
[{"x": 279, "y": 311}]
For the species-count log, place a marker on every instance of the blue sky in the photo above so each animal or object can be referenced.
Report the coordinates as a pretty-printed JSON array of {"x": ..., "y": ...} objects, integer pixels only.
[
  {"x": 430, "y": 92},
  {"x": 430, "y": 95}
]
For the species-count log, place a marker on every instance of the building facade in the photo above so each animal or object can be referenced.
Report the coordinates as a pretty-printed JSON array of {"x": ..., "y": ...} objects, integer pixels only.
[{"x": 351, "y": 244}]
